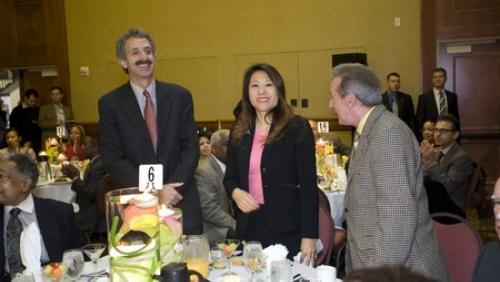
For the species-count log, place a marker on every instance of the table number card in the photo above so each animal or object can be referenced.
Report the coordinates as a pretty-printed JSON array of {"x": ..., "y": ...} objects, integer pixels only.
[
  {"x": 150, "y": 177},
  {"x": 323, "y": 127}
]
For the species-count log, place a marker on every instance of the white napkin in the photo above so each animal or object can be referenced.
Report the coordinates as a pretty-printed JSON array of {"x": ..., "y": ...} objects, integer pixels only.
[
  {"x": 31, "y": 251},
  {"x": 319, "y": 248},
  {"x": 274, "y": 253}
]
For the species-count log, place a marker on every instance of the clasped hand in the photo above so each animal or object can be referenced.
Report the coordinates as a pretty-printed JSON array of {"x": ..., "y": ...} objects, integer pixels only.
[{"x": 169, "y": 195}]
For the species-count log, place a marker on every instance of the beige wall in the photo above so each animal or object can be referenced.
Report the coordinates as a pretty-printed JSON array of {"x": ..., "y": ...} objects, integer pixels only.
[{"x": 207, "y": 45}]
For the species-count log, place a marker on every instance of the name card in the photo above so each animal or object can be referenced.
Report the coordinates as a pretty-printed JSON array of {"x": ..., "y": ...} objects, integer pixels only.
[
  {"x": 150, "y": 177},
  {"x": 323, "y": 127}
]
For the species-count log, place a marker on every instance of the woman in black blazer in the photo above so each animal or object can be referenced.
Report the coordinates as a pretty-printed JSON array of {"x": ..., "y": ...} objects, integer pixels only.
[{"x": 271, "y": 168}]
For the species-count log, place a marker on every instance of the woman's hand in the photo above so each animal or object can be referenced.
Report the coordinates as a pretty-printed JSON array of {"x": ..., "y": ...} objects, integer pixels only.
[
  {"x": 308, "y": 251},
  {"x": 245, "y": 202}
]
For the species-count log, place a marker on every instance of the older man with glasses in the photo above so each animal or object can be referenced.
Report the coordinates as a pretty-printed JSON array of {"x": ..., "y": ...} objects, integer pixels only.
[{"x": 447, "y": 162}]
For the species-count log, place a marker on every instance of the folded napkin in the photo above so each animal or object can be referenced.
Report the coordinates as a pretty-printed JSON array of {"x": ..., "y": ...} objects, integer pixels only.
[{"x": 31, "y": 251}]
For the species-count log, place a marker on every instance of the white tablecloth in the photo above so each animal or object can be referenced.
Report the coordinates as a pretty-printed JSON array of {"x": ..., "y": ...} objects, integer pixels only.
[
  {"x": 60, "y": 192},
  {"x": 336, "y": 200},
  {"x": 305, "y": 271}
]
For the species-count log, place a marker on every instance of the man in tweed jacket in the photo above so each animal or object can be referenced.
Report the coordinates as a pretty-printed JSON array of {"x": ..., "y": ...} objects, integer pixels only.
[{"x": 387, "y": 214}]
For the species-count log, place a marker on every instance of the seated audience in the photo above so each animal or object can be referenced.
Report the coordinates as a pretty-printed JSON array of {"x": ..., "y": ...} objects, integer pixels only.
[
  {"x": 428, "y": 131},
  {"x": 14, "y": 146},
  {"x": 24, "y": 118},
  {"x": 74, "y": 148},
  {"x": 42, "y": 228},
  {"x": 386, "y": 274},
  {"x": 338, "y": 146},
  {"x": 488, "y": 262},
  {"x": 86, "y": 219},
  {"x": 215, "y": 206},
  {"x": 450, "y": 165},
  {"x": 204, "y": 143}
]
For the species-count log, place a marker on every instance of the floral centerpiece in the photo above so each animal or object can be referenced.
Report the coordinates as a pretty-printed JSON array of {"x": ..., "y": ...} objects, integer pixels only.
[{"x": 329, "y": 167}]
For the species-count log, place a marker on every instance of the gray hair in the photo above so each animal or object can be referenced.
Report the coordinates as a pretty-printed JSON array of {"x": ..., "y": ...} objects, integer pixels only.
[
  {"x": 26, "y": 167},
  {"x": 359, "y": 80},
  {"x": 135, "y": 32},
  {"x": 220, "y": 137}
]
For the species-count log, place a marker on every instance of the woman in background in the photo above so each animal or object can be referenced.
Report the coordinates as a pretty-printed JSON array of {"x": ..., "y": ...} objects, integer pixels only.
[
  {"x": 270, "y": 168},
  {"x": 74, "y": 148},
  {"x": 204, "y": 143},
  {"x": 14, "y": 146}
]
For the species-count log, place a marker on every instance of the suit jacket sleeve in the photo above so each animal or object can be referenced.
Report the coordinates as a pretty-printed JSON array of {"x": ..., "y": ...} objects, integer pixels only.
[
  {"x": 393, "y": 172},
  {"x": 112, "y": 152},
  {"x": 87, "y": 188},
  {"x": 455, "y": 175},
  {"x": 231, "y": 177},
  {"x": 211, "y": 211},
  {"x": 190, "y": 152},
  {"x": 412, "y": 118},
  {"x": 46, "y": 118}
]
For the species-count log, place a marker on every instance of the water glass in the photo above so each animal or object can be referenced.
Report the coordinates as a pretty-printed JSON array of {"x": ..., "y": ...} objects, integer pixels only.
[
  {"x": 218, "y": 258},
  {"x": 73, "y": 263},
  {"x": 281, "y": 271}
]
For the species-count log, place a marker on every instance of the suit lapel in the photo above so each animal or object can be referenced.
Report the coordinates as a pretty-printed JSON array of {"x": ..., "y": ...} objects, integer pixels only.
[
  {"x": 48, "y": 228},
  {"x": 163, "y": 109}
]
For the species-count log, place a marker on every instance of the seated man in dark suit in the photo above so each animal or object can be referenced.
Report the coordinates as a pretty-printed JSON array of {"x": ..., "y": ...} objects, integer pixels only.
[
  {"x": 489, "y": 260},
  {"x": 449, "y": 165},
  {"x": 87, "y": 220},
  {"x": 215, "y": 206},
  {"x": 48, "y": 222},
  {"x": 399, "y": 103}
]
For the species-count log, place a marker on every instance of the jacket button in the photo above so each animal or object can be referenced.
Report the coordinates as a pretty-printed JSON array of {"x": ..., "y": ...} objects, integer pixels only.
[
  {"x": 266, "y": 186},
  {"x": 345, "y": 210},
  {"x": 263, "y": 170}
]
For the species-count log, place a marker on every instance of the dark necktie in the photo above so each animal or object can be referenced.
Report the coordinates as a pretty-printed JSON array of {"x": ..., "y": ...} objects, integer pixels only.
[
  {"x": 443, "y": 108},
  {"x": 394, "y": 105},
  {"x": 150, "y": 118},
  {"x": 14, "y": 229}
]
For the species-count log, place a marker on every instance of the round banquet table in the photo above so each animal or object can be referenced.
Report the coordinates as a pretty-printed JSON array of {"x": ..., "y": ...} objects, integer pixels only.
[
  {"x": 57, "y": 191},
  {"x": 336, "y": 200}
]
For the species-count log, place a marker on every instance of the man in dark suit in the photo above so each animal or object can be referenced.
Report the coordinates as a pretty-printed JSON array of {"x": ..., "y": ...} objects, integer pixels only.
[
  {"x": 20, "y": 210},
  {"x": 24, "y": 118},
  {"x": 87, "y": 219},
  {"x": 386, "y": 205},
  {"x": 215, "y": 206},
  {"x": 399, "y": 103},
  {"x": 55, "y": 115},
  {"x": 449, "y": 164},
  {"x": 436, "y": 102},
  {"x": 146, "y": 121}
]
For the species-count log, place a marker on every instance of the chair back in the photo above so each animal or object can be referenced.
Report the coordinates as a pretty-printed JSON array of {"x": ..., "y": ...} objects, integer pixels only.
[
  {"x": 472, "y": 187},
  {"x": 107, "y": 184},
  {"x": 460, "y": 245},
  {"x": 326, "y": 230}
]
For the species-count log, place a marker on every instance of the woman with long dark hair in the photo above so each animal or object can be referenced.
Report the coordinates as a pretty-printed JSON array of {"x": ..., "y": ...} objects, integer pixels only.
[{"x": 271, "y": 173}]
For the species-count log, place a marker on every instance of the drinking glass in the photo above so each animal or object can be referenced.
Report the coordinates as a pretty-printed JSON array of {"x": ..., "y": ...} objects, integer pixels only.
[
  {"x": 281, "y": 271},
  {"x": 253, "y": 257},
  {"x": 195, "y": 253},
  {"x": 73, "y": 263},
  {"x": 94, "y": 252},
  {"x": 218, "y": 258},
  {"x": 228, "y": 246}
]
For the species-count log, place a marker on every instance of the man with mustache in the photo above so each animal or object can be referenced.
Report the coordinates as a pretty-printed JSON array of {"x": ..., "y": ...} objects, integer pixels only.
[{"x": 146, "y": 121}]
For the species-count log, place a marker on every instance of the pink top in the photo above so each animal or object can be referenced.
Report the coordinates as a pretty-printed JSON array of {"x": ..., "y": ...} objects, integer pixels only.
[{"x": 254, "y": 176}]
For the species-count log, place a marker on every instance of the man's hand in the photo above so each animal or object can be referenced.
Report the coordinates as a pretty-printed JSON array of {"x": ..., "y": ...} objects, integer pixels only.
[
  {"x": 169, "y": 196},
  {"x": 308, "y": 251},
  {"x": 245, "y": 202},
  {"x": 70, "y": 171},
  {"x": 430, "y": 154}
]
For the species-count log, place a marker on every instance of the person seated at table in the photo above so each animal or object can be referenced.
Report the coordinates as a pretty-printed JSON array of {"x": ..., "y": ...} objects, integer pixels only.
[
  {"x": 87, "y": 219},
  {"x": 14, "y": 146},
  {"x": 204, "y": 143},
  {"x": 74, "y": 148},
  {"x": 215, "y": 206},
  {"x": 40, "y": 229},
  {"x": 428, "y": 132},
  {"x": 271, "y": 168},
  {"x": 338, "y": 146}
]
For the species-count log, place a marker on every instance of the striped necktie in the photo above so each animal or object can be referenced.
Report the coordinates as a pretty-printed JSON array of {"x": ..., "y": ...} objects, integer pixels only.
[
  {"x": 150, "y": 118},
  {"x": 14, "y": 229},
  {"x": 443, "y": 108}
]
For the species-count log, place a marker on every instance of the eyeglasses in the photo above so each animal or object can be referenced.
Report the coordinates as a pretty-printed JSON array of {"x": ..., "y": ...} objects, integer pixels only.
[{"x": 443, "y": 130}]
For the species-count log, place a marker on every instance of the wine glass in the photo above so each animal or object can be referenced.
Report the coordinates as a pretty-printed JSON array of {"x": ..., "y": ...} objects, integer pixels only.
[
  {"x": 228, "y": 246},
  {"x": 94, "y": 252},
  {"x": 253, "y": 257},
  {"x": 73, "y": 263}
]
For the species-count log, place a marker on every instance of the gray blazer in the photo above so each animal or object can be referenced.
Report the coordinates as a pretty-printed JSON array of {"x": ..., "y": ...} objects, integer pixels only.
[
  {"x": 386, "y": 205},
  {"x": 453, "y": 172},
  {"x": 215, "y": 209}
]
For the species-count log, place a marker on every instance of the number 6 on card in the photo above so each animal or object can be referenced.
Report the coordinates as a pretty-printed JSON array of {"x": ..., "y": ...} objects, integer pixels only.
[{"x": 150, "y": 177}]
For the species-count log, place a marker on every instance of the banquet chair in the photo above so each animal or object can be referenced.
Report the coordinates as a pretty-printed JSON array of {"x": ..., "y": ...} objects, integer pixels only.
[
  {"x": 469, "y": 198},
  {"x": 326, "y": 230},
  {"x": 460, "y": 245},
  {"x": 107, "y": 184}
]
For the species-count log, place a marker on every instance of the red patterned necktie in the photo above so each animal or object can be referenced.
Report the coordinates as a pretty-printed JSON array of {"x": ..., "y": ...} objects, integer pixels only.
[{"x": 150, "y": 118}]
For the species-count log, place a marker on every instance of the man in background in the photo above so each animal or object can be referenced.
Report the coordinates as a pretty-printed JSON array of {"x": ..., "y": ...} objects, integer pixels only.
[
  {"x": 146, "y": 121},
  {"x": 215, "y": 205},
  {"x": 448, "y": 164},
  {"x": 47, "y": 223},
  {"x": 54, "y": 116},
  {"x": 24, "y": 118},
  {"x": 437, "y": 101},
  {"x": 385, "y": 201},
  {"x": 399, "y": 103}
]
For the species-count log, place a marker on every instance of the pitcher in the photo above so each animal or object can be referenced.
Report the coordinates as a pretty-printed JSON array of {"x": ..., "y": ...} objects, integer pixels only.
[{"x": 196, "y": 251}]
